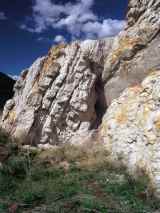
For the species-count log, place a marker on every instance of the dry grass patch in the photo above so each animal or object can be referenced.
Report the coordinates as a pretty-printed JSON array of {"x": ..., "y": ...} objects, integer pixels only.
[{"x": 86, "y": 156}]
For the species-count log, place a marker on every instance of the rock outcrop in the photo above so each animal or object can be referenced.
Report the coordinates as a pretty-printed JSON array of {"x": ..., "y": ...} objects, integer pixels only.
[
  {"x": 56, "y": 97},
  {"x": 130, "y": 129},
  {"x": 64, "y": 96},
  {"x": 136, "y": 50}
]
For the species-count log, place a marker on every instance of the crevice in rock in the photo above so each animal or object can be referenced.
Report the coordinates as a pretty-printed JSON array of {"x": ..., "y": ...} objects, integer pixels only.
[{"x": 100, "y": 105}]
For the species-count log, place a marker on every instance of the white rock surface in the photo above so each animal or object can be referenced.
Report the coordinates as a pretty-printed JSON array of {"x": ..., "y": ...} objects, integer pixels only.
[
  {"x": 63, "y": 96},
  {"x": 130, "y": 129},
  {"x": 56, "y": 97}
]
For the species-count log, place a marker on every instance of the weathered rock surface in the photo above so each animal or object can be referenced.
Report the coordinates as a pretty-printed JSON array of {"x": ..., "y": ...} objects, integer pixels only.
[
  {"x": 130, "y": 129},
  {"x": 68, "y": 91},
  {"x": 62, "y": 97},
  {"x": 56, "y": 97},
  {"x": 136, "y": 50}
]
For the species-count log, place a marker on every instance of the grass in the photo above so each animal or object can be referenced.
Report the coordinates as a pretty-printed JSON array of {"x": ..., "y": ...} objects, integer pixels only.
[{"x": 68, "y": 180}]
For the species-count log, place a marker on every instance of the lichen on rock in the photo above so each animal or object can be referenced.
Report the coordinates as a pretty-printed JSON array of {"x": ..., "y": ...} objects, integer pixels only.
[
  {"x": 108, "y": 89},
  {"x": 57, "y": 97},
  {"x": 131, "y": 127}
]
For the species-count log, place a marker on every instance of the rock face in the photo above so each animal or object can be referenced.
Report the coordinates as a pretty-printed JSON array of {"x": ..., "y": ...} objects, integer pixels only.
[
  {"x": 56, "y": 97},
  {"x": 131, "y": 129},
  {"x": 136, "y": 50},
  {"x": 64, "y": 96}
]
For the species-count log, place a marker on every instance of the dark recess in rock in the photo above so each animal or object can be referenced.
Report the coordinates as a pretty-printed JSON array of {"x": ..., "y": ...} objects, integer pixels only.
[{"x": 101, "y": 105}]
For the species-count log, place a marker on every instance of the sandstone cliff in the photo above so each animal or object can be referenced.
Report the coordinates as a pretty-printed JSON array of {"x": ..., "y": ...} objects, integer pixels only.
[{"x": 64, "y": 96}]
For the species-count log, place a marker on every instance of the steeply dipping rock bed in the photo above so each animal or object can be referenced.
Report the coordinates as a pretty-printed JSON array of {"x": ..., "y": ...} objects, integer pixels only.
[
  {"x": 91, "y": 90},
  {"x": 60, "y": 95}
]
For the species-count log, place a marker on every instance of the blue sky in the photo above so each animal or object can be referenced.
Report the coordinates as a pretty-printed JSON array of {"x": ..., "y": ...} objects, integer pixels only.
[{"x": 29, "y": 27}]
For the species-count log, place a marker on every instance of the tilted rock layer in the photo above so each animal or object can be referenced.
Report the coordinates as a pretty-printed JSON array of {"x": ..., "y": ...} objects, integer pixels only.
[
  {"x": 56, "y": 97},
  {"x": 75, "y": 92}
]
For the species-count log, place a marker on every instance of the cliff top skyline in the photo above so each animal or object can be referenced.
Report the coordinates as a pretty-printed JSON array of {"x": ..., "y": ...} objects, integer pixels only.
[{"x": 29, "y": 28}]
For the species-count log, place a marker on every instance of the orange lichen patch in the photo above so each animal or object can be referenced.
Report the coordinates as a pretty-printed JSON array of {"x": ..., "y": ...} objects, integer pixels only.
[
  {"x": 128, "y": 42},
  {"x": 54, "y": 53},
  {"x": 136, "y": 89},
  {"x": 12, "y": 116},
  {"x": 124, "y": 44},
  {"x": 115, "y": 55},
  {"x": 157, "y": 123},
  {"x": 121, "y": 116},
  {"x": 103, "y": 128},
  {"x": 49, "y": 61}
]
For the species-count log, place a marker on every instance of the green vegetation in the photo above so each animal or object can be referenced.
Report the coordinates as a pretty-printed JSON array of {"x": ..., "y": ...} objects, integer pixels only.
[{"x": 67, "y": 180}]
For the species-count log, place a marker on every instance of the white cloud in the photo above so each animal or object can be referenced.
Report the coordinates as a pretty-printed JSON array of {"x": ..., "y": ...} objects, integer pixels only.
[
  {"x": 59, "y": 39},
  {"x": 2, "y": 16},
  {"x": 78, "y": 19},
  {"x": 108, "y": 27}
]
